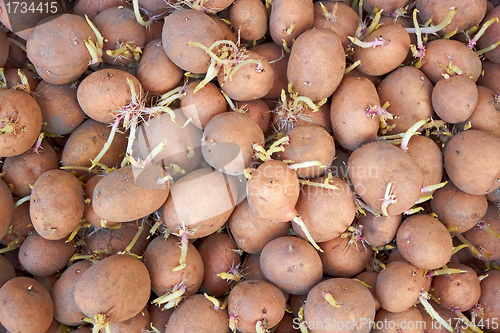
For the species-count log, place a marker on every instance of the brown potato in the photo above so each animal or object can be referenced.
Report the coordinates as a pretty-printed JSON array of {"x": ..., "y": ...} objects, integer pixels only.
[
  {"x": 351, "y": 124},
  {"x": 184, "y": 26},
  {"x": 341, "y": 19},
  {"x": 408, "y": 91},
  {"x": 486, "y": 116},
  {"x": 57, "y": 204},
  {"x": 386, "y": 5},
  {"x": 249, "y": 17},
  {"x": 389, "y": 322},
  {"x": 490, "y": 37},
  {"x": 289, "y": 19},
  {"x": 7, "y": 271},
  {"x": 484, "y": 240},
  {"x": 291, "y": 264},
  {"x": 4, "y": 49},
  {"x": 424, "y": 242},
  {"x": 490, "y": 294},
  {"x": 455, "y": 98},
  {"x": 429, "y": 158},
  {"x": 138, "y": 323},
  {"x": 258, "y": 110},
  {"x": 490, "y": 78},
  {"x": 43, "y": 257},
  {"x": 278, "y": 59},
  {"x": 379, "y": 230},
  {"x": 383, "y": 59},
  {"x": 26, "y": 306},
  {"x": 202, "y": 105},
  {"x": 6, "y": 207},
  {"x": 91, "y": 7},
  {"x": 23, "y": 170},
  {"x": 57, "y": 48},
  {"x": 128, "y": 194},
  {"x": 20, "y": 225},
  {"x": 20, "y": 122},
  {"x": 472, "y": 161},
  {"x": 316, "y": 74}
]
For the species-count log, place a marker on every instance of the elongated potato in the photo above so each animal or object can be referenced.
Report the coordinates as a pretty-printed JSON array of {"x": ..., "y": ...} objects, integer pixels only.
[
  {"x": 316, "y": 74},
  {"x": 128, "y": 194}
]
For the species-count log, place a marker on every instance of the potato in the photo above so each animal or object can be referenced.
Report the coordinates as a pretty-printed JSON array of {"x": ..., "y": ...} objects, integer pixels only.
[
  {"x": 138, "y": 323},
  {"x": 383, "y": 59},
  {"x": 469, "y": 13},
  {"x": 85, "y": 143},
  {"x": 160, "y": 266},
  {"x": 484, "y": 240},
  {"x": 66, "y": 310},
  {"x": 356, "y": 306},
  {"x": 26, "y": 306},
  {"x": 424, "y": 242},
  {"x": 251, "y": 267},
  {"x": 20, "y": 122},
  {"x": 228, "y": 142},
  {"x": 273, "y": 191},
  {"x": 352, "y": 126},
  {"x": 4, "y": 49},
  {"x": 309, "y": 143},
  {"x": 7, "y": 271},
  {"x": 219, "y": 255},
  {"x": 20, "y": 224},
  {"x": 13, "y": 78},
  {"x": 226, "y": 29},
  {"x": 6, "y": 207},
  {"x": 117, "y": 288},
  {"x": 379, "y": 166},
  {"x": 42, "y": 257},
  {"x": 389, "y": 322},
  {"x": 184, "y": 26},
  {"x": 440, "y": 52},
  {"x": 57, "y": 48},
  {"x": 291, "y": 264},
  {"x": 386, "y": 5},
  {"x": 344, "y": 257},
  {"x": 326, "y": 213},
  {"x": 278, "y": 59},
  {"x": 489, "y": 299},
  {"x": 250, "y": 81},
  {"x": 116, "y": 195},
  {"x": 490, "y": 37},
  {"x": 454, "y": 99},
  {"x": 120, "y": 29},
  {"x": 398, "y": 286},
  {"x": 461, "y": 290},
  {"x": 159, "y": 317},
  {"x": 23, "y": 170},
  {"x": 202, "y": 105},
  {"x": 431, "y": 324},
  {"x": 57, "y": 204},
  {"x": 289, "y": 19},
  {"x": 249, "y": 17},
  {"x": 457, "y": 210},
  {"x": 253, "y": 301},
  {"x": 88, "y": 212},
  {"x": 379, "y": 230},
  {"x": 370, "y": 278},
  {"x": 103, "y": 104},
  {"x": 427, "y": 155},
  {"x": 91, "y": 7},
  {"x": 61, "y": 112},
  {"x": 258, "y": 110},
  {"x": 408, "y": 91},
  {"x": 490, "y": 76},
  {"x": 341, "y": 19},
  {"x": 486, "y": 116},
  {"x": 316, "y": 74},
  {"x": 197, "y": 314},
  {"x": 200, "y": 202},
  {"x": 252, "y": 233},
  {"x": 472, "y": 161}
]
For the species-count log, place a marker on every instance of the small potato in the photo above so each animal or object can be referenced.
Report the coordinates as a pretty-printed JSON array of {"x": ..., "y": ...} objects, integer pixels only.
[
  {"x": 292, "y": 264},
  {"x": 424, "y": 242},
  {"x": 316, "y": 74},
  {"x": 379, "y": 230},
  {"x": 289, "y": 19},
  {"x": 490, "y": 294},
  {"x": 278, "y": 59},
  {"x": 343, "y": 257},
  {"x": 454, "y": 99},
  {"x": 250, "y": 18},
  {"x": 57, "y": 204},
  {"x": 339, "y": 17},
  {"x": 129, "y": 194},
  {"x": 380, "y": 60},
  {"x": 352, "y": 126},
  {"x": 486, "y": 116},
  {"x": 184, "y": 26},
  {"x": 20, "y": 122},
  {"x": 482, "y": 236},
  {"x": 202, "y": 105},
  {"x": 472, "y": 161}
]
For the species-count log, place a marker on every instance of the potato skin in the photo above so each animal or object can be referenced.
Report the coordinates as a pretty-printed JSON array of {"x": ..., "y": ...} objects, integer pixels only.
[
  {"x": 486, "y": 116},
  {"x": 57, "y": 48},
  {"x": 23, "y": 114},
  {"x": 6, "y": 207},
  {"x": 316, "y": 74},
  {"x": 251, "y": 17},
  {"x": 490, "y": 294},
  {"x": 118, "y": 286},
  {"x": 472, "y": 161},
  {"x": 284, "y": 13},
  {"x": 128, "y": 194},
  {"x": 424, "y": 242},
  {"x": 26, "y": 306},
  {"x": 57, "y": 204},
  {"x": 383, "y": 59},
  {"x": 356, "y": 305},
  {"x": 189, "y": 25},
  {"x": 460, "y": 107},
  {"x": 341, "y": 19}
]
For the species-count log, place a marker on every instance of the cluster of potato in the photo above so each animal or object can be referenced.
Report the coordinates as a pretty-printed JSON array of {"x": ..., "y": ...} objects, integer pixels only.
[{"x": 251, "y": 166}]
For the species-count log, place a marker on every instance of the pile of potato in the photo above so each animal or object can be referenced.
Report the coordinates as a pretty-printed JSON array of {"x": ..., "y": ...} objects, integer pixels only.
[{"x": 250, "y": 166}]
